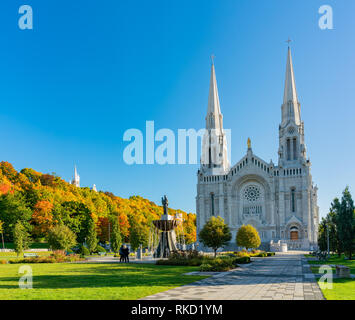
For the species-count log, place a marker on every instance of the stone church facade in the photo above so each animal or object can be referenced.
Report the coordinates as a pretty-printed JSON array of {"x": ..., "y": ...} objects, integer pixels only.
[{"x": 280, "y": 201}]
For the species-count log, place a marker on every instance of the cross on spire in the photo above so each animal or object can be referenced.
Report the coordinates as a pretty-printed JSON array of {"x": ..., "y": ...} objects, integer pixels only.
[
  {"x": 288, "y": 41},
  {"x": 212, "y": 58}
]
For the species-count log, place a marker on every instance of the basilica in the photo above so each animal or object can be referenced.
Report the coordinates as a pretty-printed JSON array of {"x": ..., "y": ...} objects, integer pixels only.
[{"x": 280, "y": 201}]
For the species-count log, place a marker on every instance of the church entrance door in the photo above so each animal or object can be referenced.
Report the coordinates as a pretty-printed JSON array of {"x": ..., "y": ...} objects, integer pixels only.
[{"x": 294, "y": 235}]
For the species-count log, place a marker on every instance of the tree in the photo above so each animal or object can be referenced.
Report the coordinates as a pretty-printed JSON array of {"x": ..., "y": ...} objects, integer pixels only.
[
  {"x": 76, "y": 216},
  {"x": 215, "y": 234},
  {"x": 322, "y": 235},
  {"x": 334, "y": 243},
  {"x": 60, "y": 237},
  {"x": 2, "y": 233},
  {"x": 91, "y": 239},
  {"x": 42, "y": 218},
  {"x": 41, "y": 201},
  {"x": 103, "y": 228},
  {"x": 248, "y": 237},
  {"x": 124, "y": 225},
  {"x": 21, "y": 238},
  {"x": 346, "y": 223},
  {"x": 116, "y": 238},
  {"x": 139, "y": 235},
  {"x": 13, "y": 208}
]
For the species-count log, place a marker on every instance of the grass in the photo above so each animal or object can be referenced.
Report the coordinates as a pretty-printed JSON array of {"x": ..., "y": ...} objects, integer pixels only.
[
  {"x": 83, "y": 281},
  {"x": 343, "y": 289},
  {"x": 336, "y": 260}
]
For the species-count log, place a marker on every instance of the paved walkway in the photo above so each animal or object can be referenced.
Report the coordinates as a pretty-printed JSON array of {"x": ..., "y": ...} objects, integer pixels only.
[{"x": 285, "y": 276}]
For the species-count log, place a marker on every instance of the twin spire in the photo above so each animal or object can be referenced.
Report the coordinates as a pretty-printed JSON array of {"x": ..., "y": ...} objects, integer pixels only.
[
  {"x": 291, "y": 105},
  {"x": 214, "y": 116},
  {"x": 290, "y": 93}
]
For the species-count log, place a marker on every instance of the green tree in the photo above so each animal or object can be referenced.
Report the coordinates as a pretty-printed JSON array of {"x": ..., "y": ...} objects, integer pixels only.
[
  {"x": 322, "y": 235},
  {"x": 2, "y": 233},
  {"x": 346, "y": 223},
  {"x": 76, "y": 216},
  {"x": 21, "y": 238},
  {"x": 91, "y": 239},
  {"x": 116, "y": 238},
  {"x": 13, "y": 208},
  {"x": 60, "y": 237},
  {"x": 248, "y": 237},
  {"x": 215, "y": 234},
  {"x": 139, "y": 235}
]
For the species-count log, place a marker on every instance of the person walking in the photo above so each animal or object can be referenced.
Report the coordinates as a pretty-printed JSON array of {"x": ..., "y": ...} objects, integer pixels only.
[
  {"x": 126, "y": 253},
  {"x": 122, "y": 254}
]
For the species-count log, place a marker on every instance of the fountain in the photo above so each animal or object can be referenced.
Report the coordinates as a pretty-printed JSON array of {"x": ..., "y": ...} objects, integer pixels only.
[{"x": 167, "y": 237}]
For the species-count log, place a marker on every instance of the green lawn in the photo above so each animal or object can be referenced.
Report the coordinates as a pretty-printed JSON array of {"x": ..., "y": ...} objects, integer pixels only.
[
  {"x": 343, "y": 289},
  {"x": 334, "y": 259},
  {"x": 82, "y": 281}
]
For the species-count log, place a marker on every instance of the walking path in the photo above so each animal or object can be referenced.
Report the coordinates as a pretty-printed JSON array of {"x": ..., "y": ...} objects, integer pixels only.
[{"x": 285, "y": 276}]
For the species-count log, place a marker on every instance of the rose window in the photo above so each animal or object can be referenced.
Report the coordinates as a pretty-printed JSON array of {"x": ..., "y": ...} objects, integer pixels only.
[{"x": 252, "y": 193}]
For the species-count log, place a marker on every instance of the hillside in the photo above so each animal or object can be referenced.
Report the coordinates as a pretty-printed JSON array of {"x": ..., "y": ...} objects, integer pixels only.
[{"x": 42, "y": 200}]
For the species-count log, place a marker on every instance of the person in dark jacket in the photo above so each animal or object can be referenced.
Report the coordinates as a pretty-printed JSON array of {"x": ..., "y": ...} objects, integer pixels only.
[
  {"x": 126, "y": 253},
  {"x": 122, "y": 254}
]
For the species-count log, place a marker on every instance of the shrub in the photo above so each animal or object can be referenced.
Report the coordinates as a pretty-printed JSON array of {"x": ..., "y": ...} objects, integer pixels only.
[
  {"x": 60, "y": 237},
  {"x": 215, "y": 234},
  {"x": 262, "y": 254},
  {"x": 84, "y": 251},
  {"x": 242, "y": 260},
  {"x": 183, "y": 258},
  {"x": 205, "y": 267},
  {"x": 269, "y": 254},
  {"x": 248, "y": 237},
  {"x": 100, "y": 249},
  {"x": 172, "y": 262},
  {"x": 242, "y": 253},
  {"x": 57, "y": 256},
  {"x": 3, "y": 262},
  {"x": 218, "y": 264}
]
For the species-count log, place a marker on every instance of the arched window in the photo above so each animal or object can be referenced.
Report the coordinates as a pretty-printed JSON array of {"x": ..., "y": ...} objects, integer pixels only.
[
  {"x": 295, "y": 148},
  {"x": 212, "y": 204},
  {"x": 293, "y": 200},
  {"x": 288, "y": 149}
]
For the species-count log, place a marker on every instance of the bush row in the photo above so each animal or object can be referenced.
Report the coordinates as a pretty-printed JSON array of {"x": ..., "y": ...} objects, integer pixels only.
[
  {"x": 56, "y": 257},
  {"x": 221, "y": 263}
]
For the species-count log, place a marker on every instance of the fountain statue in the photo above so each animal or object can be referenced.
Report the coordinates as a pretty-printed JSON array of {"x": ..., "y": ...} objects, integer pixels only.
[{"x": 167, "y": 239}]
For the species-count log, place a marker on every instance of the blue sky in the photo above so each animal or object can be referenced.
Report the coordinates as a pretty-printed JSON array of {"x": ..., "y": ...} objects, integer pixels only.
[{"x": 89, "y": 70}]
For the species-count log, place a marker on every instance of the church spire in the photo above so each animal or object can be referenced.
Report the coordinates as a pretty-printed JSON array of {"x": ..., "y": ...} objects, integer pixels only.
[
  {"x": 76, "y": 180},
  {"x": 214, "y": 155},
  {"x": 291, "y": 106},
  {"x": 214, "y": 116}
]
